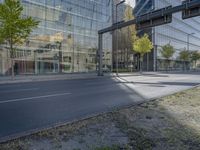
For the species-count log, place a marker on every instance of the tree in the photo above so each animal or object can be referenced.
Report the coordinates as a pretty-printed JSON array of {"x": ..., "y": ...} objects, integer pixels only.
[
  {"x": 142, "y": 46},
  {"x": 184, "y": 56},
  {"x": 195, "y": 56},
  {"x": 167, "y": 52},
  {"x": 127, "y": 35},
  {"x": 14, "y": 29},
  {"x": 131, "y": 30}
]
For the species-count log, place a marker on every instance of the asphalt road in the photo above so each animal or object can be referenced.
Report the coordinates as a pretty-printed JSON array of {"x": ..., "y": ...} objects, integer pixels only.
[{"x": 35, "y": 105}]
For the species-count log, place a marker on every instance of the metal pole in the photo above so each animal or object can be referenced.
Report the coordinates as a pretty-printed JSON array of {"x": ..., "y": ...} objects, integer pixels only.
[
  {"x": 100, "y": 56},
  {"x": 78, "y": 57},
  {"x": 116, "y": 41},
  {"x": 147, "y": 61},
  {"x": 113, "y": 36},
  {"x": 60, "y": 57},
  {"x": 188, "y": 40},
  {"x": 184, "y": 62},
  {"x": 35, "y": 59},
  {"x": 73, "y": 63},
  {"x": 154, "y": 50}
]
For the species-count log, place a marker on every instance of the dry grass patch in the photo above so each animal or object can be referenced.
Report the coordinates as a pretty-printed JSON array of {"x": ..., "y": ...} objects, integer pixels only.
[{"x": 169, "y": 123}]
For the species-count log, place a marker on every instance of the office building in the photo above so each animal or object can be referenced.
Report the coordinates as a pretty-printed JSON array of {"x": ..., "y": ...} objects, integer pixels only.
[
  {"x": 66, "y": 39},
  {"x": 181, "y": 34}
]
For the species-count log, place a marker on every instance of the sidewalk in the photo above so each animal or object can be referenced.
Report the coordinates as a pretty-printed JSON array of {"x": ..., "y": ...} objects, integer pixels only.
[
  {"x": 67, "y": 76},
  {"x": 47, "y": 77}
]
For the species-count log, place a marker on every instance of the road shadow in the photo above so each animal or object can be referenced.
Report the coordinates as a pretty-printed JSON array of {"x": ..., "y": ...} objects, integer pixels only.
[
  {"x": 157, "y": 125},
  {"x": 89, "y": 97}
]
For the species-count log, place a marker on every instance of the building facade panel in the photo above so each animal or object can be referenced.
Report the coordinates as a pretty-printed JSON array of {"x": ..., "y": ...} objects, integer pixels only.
[
  {"x": 175, "y": 33},
  {"x": 66, "y": 39},
  {"x": 180, "y": 33}
]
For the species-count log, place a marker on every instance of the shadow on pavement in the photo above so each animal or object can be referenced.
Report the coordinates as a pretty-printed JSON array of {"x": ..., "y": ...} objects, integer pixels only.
[
  {"x": 154, "y": 125},
  {"x": 158, "y": 84}
]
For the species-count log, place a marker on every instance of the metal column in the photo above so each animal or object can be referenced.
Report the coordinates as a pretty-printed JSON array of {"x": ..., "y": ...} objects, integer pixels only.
[{"x": 100, "y": 54}]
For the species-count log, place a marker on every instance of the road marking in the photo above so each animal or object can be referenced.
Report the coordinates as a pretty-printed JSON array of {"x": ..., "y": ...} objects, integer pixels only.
[
  {"x": 31, "y": 98},
  {"x": 18, "y": 90}
]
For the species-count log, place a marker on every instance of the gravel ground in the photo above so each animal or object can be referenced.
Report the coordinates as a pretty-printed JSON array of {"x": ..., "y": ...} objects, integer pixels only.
[{"x": 169, "y": 123}]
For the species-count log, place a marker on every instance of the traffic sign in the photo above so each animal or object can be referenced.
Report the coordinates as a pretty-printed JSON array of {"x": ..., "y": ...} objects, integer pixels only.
[
  {"x": 154, "y": 18},
  {"x": 190, "y": 11}
]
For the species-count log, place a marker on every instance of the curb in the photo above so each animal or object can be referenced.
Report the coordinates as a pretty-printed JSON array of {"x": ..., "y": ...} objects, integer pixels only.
[
  {"x": 47, "y": 79},
  {"x": 56, "y": 78},
  {"x": 95, "y": 114},
  {"x": 35, "y": 79}
]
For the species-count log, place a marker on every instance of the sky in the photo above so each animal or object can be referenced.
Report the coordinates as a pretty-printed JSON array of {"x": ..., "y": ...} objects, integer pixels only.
[{"x": 131, "y": 2}]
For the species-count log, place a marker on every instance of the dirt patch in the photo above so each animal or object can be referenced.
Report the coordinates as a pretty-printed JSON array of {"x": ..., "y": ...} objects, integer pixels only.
[{"x": 170, "y": 123}]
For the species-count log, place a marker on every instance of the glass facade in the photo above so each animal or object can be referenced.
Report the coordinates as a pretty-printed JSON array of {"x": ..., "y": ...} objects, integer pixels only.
[
  {"x": 181, "y": 34},
  {"x": 144, "y": 6},
  {"x": 66, "y": 40},
  {"x": 122, "y": 51}
]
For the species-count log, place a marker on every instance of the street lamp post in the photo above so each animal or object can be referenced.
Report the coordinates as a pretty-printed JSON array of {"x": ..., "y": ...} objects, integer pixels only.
[
  {"x": 188, "y": 40},
  {"x": 121, "y": 2},
  {"x": 73, "y": 52},
  {"x": 59, "y": 46}
]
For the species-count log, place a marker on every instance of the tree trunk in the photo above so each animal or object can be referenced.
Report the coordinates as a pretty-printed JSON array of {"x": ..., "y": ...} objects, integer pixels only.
[
  {"x": 12, "y": 59},
  {"x": 12, "y": 66},
  {"x": 168, "y": 65},
  {"x": 141, "y": 63}
]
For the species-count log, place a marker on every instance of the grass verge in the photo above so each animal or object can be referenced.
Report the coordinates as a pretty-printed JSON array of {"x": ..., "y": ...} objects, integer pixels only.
[{"x": 171, "y": 122}]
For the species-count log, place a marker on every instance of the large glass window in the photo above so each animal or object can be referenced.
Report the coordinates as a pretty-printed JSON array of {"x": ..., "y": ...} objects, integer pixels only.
[{"x": 66, "y": 39}]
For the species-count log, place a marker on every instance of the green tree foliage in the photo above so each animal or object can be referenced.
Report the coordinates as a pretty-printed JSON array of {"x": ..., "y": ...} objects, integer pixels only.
[
  {"x": 185, "y": 57},
  {"x": 167, "y": 52},
  {"x": 130, "y": 30},
  {"x": 142, "y": 46},
  {"x": 195, "y": 56},
  {"x": 14, "y": 28},
  {"x": 126, "y": 36}
]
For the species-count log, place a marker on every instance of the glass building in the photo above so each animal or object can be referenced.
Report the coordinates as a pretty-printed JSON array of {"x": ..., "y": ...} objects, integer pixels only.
[
  {"x": 181, "y": 34},
  {"x": 66, "y": 39}
]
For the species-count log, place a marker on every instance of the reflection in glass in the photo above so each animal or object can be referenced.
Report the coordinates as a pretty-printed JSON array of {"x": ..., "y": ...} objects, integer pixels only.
[{"x": 66, "y": 40}]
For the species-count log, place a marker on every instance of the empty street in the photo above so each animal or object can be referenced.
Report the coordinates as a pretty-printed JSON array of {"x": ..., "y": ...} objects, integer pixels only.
[{"x": 31, "y": 106}]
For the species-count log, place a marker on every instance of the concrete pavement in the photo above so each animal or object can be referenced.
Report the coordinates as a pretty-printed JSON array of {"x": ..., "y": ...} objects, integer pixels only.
[
  {"x": 30, "y": 106},
  {"x": 47, "y": 77},
  {"x": 154, "y": 85}
]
